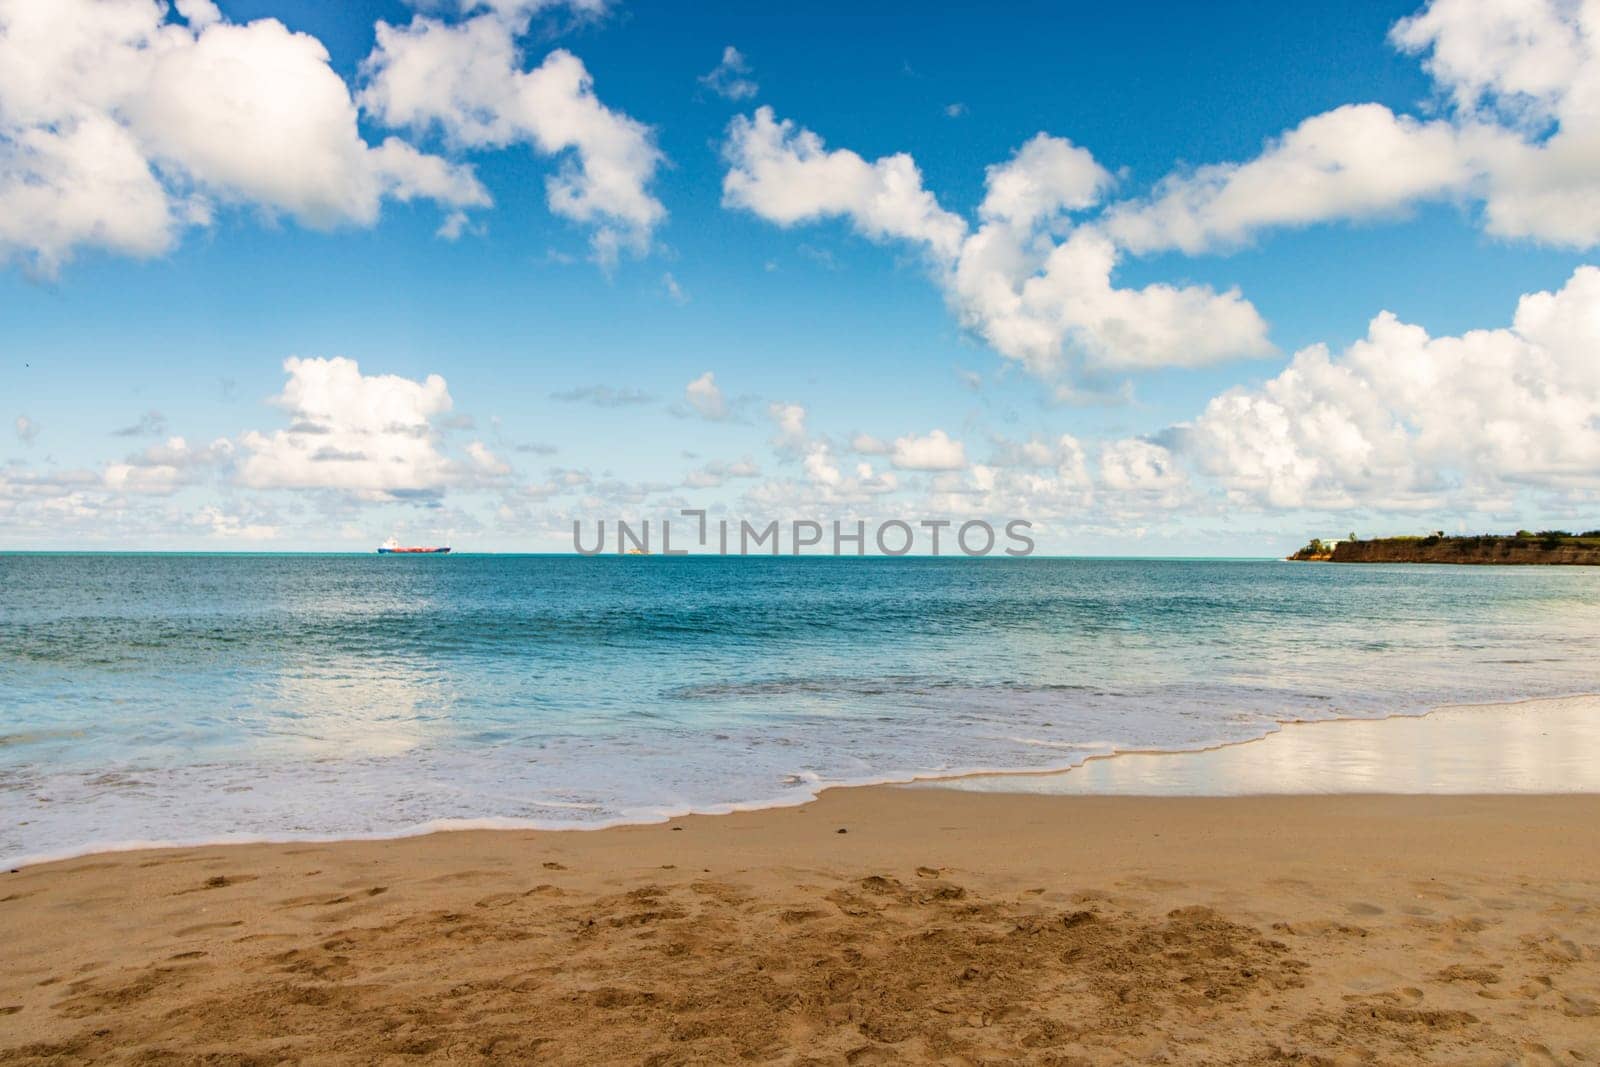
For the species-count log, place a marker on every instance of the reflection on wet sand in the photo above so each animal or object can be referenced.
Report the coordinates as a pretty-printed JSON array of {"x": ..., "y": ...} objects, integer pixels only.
[{"x": 1536, "y": 746}]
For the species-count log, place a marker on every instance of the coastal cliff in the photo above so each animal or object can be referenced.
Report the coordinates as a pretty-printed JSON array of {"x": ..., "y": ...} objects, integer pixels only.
[{"x": 1555, "y": 548}]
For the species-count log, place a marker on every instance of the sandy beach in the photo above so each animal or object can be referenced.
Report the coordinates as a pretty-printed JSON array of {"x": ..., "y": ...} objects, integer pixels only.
[{"x": 874, "y": 925}]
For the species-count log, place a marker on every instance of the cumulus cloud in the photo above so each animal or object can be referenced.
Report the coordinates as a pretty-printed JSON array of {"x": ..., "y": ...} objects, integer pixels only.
[
  {"x": 934, "y": 451},
  {"x": 730, "y": 78},
  {"x": 1040, "y": 299},
  {"x": 1521, "y": 82},
  {"x": 233, "y": 527},
  {"x": 119, "y": 127},
  {"x": 715, "y": 474},
  {"x": 1065, "y": 453},
  {"x": 1519, "y": 134},
  {"x": 1526, "y": 58},
  {"x": 831, "y": 482},
  {"x": 165, "y": 468},
  {"x": 1047, "y": 176},
  {"x": 1401, "y": 420},
  {"x": 1043, "y": 299},
  {"x": 1535, "y": 67},
  {"x": 485, "y": 461},
  {"x": 1355, "y": 162},
  {"x": 790, "y": 420},
  {"x": 467, "y": 80},
  {"x": 374, "y": 436},
  {"x": 869, "y": 445},
  {"x": 704, "y": 397},
  {"x": 785, "y": 174},
  {"x": 1137, "y": 465},
  {"x": 1050, "y": 305}
]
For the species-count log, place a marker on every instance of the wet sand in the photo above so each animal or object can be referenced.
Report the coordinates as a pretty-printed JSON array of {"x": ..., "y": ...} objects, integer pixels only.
[
  {"x": 940, "y": 926},
  {"x": 1530, "y": 746}
]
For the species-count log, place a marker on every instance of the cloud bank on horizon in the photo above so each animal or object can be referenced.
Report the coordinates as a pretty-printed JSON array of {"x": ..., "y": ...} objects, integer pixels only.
[{"x": 128, "y": 127}]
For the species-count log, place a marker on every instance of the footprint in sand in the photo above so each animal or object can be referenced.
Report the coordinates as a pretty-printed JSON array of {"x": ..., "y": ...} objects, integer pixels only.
[
  {"x": 1466, "y": 972},
  {"x": 218, "y": 881},
  {"x": 1361, "y": 907},
  {"x": 799, "y": 915},
  {"x": 1576, "y": 1007},
  {"x": 203, "y": 927}
]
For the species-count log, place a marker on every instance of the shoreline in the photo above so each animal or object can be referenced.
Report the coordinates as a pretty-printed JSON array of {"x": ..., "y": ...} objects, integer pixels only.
[
  {"x": 954, "y": 780},
  {"x": 874, "y": 925}
]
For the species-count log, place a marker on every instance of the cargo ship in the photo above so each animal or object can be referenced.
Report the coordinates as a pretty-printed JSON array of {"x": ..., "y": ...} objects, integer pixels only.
[{"x": 393, "y": 547}]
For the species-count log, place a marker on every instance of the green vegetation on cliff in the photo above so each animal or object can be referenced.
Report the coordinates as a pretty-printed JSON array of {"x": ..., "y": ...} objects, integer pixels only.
[{"x": 1523, "y": 547}]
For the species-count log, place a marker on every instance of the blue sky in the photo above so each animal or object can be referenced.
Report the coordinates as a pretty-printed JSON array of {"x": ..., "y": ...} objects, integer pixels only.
[{"x": 860, "y": 323}]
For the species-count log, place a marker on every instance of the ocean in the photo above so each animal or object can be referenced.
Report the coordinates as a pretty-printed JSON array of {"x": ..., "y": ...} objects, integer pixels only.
[{"x": 192, "y": 698}]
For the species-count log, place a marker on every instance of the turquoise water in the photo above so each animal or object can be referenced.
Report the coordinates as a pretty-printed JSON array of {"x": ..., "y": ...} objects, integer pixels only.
[{"x": 187, "y": 698}]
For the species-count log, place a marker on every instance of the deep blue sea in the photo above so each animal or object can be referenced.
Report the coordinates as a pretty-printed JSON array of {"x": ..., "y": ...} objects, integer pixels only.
[{"x": 206, "y": 697}]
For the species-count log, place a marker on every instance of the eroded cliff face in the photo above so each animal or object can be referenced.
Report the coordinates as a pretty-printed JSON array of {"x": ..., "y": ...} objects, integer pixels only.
[{"x": 1572, "y": 552}]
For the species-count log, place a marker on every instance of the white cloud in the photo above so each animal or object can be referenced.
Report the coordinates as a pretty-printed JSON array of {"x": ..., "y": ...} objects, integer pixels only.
[
  {"x": 1525, "y": 56},
  {"x": 1043, "y": 300},
  {"x": 371, "y": 435},
  {"x": 166, "y": 467},
  {"x": 704, "y": 396},
  {"x": 467, "y": 79},
  {"x": 730, "y": 78},
  {"x": 1522, "y": 82},
  {"x": 1065, "y": 454},
  {"x": 1045, "y": 177},
  {"x": 27, "y": 429},
  {"x": 791, "y": 423},
  {"x": 786, "y": 175},
  {"x": 869, "y": 445},
  {"x": 1521, "y": 136},
  {"x": 674, "y": 290},
  {"x": 486, "y": 461},
  {"x": 1049, "y": 308},
  {"x": 523, "y": 9},
  {"x": 1139, "y": 466},
  {"x": 829, "y": 483},
  {"x": 715, "y": 474},
  {"x": 119, "y": 127},
  {"x": 232, "y": 527},
  {"x": 1357, "y": 161},
  {"x": 821, "y": 469},
  {"x": 82, "y": 183},
  {"x": 934, "y": 451},
  {"x": 1534, "y": 65},
  {"x": 1404, "y": 420}
]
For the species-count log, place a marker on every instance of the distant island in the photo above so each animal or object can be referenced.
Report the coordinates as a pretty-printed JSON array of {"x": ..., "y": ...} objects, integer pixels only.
[{"x": 1547, "y": 547}]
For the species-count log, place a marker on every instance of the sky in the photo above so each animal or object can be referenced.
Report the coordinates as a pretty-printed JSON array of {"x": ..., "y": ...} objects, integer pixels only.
[{"x": 1160, "y": 279}]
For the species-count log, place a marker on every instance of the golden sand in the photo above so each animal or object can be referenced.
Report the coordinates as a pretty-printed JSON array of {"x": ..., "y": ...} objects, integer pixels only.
[{"x": 881, "y": 925}]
